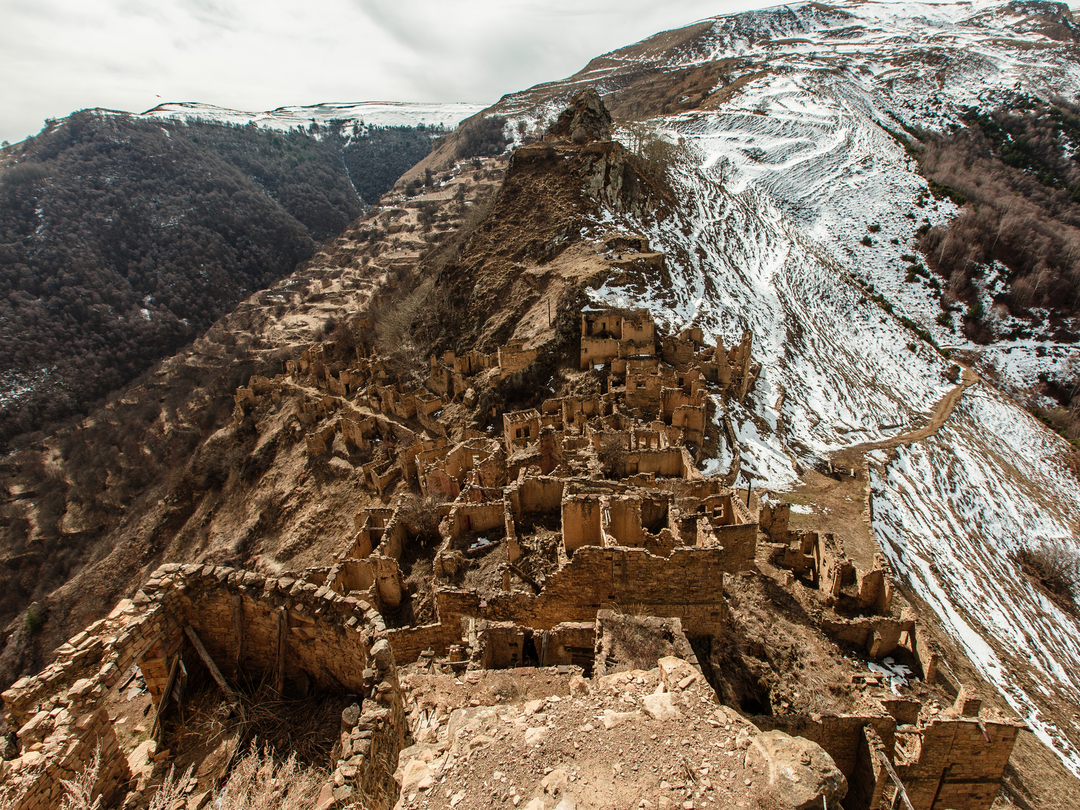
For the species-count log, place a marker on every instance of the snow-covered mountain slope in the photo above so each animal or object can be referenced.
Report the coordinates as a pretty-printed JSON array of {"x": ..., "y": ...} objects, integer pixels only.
[
  {"x": 951, "y": 512},
  {"x": 369, "y": 113},
  {"x": 794, "y": 203},
  {"x": 808, "y": 103}
]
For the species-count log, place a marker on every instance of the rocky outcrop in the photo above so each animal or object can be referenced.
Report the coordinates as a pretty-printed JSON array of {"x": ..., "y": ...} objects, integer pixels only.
[{"x": 585, "y": 120}]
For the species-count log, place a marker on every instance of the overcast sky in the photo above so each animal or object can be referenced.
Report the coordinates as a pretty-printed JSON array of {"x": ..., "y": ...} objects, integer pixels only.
[{"x": 58, "y": 56}]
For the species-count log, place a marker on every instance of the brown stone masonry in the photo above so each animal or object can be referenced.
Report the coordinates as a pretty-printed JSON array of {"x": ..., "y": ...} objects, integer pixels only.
[{"x": 249, "y": 624}]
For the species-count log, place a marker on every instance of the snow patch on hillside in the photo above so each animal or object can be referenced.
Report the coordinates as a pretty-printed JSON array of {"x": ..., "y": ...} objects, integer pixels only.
[
  {"x": 370, "y": 113},
  {"x": 951, "y": 511},
  {"x": 836, "y": 363},
  {"x": 17, "y": 386}
]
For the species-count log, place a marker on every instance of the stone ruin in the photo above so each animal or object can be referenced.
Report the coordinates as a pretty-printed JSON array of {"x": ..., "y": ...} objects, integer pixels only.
[
  {"x": 283, "y": 629},
  {"x": 581, "y": 536},
  {"x": 628, "y": 342}
]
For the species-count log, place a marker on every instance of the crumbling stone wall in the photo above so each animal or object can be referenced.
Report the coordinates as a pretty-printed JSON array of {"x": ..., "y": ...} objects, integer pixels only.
[
  {"x": 514, "y": 357},
  {"x": 622, "y": 640},
  {"x": 953, "y": 762},
  {"x": 739, "y": 541},
  {"x": 521, "y": 429},
  {"x": 959, "y": 763},
  {"x": 878, "y": 635},
  {"x": 840, "y": 735},
  {"x": 535, "y": 494},
  {"x": 60, "y": 726},
  {"x": 497, "y": 645},
  {"x": 686, "y": 585},
  {"x": 475, "y": 517},
  {"x": 568, "y": 643},
  {"x": 581, "y": 522},
  {"x": 408, "y": 642},
  {"x": 821, "y": 558},
  {"x": 671, "y": 462},
  {"x": 60, "y": 757},
  {"x": 248, "y": 623}
]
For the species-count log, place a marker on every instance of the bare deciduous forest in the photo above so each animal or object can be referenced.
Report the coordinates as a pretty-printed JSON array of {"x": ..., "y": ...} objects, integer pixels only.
[
  {"x": 121, "y": 240},
  {"x": 1016, "y": 174}
]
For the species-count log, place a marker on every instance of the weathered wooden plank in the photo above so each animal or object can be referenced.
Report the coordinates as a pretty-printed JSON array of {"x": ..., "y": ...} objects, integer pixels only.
[
  {"x": 215, "y": 673},
  {"x": 166, "y": 695},
  {"x": 238, "y": 628},
  {"x": 282, "y": 640}
]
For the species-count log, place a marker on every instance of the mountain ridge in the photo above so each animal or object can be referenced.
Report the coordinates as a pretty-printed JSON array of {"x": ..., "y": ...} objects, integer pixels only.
[
  {"x": 784, "y": 191},
  {"x": 371, "y": 113},
  {"x": 86, "y": 264},
  {"x": 800, "y": 158}
]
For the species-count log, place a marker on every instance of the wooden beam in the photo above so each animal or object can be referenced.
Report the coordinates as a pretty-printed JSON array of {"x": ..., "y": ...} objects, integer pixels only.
[
  {"x": 282, "y": 640},
  {"x": 210, "y": 665},
  {"x": 238, "y": 628},
  {"x": 532, "y": 583},
  {"x": 896, "y": 781},
  {"x": 166, "y": 695}
]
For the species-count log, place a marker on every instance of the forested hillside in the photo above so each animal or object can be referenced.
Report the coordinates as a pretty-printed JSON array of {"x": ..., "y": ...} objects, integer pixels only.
[
  {"x": 123, "y": 239},
  {"x": 1016, "y": 173}
]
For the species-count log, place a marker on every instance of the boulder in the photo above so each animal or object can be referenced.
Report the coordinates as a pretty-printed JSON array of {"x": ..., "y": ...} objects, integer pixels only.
[
  {"x": 794, "y": 772},
  {"x": 661, "y": 707},
  {"x": 676, "y": 673},
  {"x": 614, "y": 719},
  {"x": 416, "y": 776}
]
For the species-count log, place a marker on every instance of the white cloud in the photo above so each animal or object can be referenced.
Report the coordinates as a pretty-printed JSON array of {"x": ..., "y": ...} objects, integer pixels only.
[{"x": 57, "y": 56}]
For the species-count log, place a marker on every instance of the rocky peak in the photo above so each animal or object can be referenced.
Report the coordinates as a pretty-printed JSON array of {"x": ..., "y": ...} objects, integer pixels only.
[{"x": 585, "y": 120}]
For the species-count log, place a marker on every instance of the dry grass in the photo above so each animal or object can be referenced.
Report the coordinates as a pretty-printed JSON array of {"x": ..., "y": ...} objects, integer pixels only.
[
  {"x": 79, "y": 792},
  {"x": 302, "y": 727},
  {"x": 306, "y": 728},
  {"x": 259, "y": 781},
  {"x": 1055, "y": 569},
  {"x": 262, "y": 778},
  {"x": 170, "y": 791}
]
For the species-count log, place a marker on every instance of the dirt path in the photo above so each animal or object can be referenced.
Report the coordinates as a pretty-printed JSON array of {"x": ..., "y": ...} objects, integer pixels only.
[
  {"x": 838, "y": 501},
  {"x": 942, "y": 411}
]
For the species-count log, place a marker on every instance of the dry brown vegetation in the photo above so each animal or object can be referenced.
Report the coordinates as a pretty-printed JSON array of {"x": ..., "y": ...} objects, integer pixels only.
[
  {"x": 1064, "y": 416},
  {"x": 1020, "y": 191},
  {"x": 612, "y": 455},
  {"x": 259, "y": 781},
  {"x": 423, "y": 315},
  {"x": 1055, "y": 569},
  {"x": 79, "y": 790}
]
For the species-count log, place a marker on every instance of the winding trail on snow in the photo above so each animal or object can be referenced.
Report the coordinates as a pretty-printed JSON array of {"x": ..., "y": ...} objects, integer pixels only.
[
  {"x": 942, "y": 412},
  {"x": 842, "y": 498}
]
